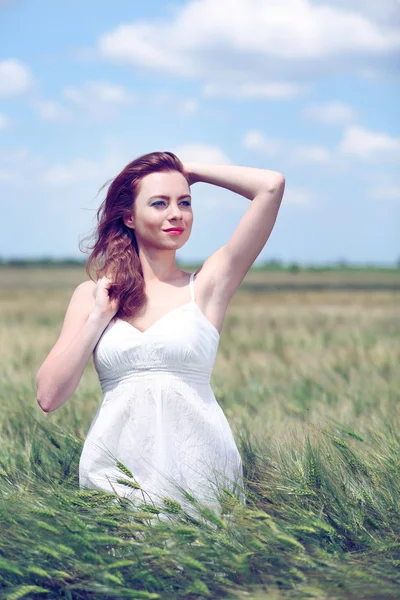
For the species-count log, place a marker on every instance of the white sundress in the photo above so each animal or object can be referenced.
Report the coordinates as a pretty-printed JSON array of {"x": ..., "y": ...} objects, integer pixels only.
[{"x": 159, "y": 416}]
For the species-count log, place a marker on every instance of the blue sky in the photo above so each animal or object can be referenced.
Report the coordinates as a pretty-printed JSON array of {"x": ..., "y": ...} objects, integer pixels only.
[{"x": 304, "y": 87}]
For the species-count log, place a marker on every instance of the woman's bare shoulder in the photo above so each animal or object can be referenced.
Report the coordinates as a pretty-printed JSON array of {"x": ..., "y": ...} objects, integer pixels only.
[
  {"x": 87, "y": 286},
  {"x": 85, "y": 294}
]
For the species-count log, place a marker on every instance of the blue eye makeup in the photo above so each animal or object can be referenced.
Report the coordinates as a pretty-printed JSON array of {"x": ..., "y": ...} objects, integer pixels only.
[{"x": 158, "y": 202}]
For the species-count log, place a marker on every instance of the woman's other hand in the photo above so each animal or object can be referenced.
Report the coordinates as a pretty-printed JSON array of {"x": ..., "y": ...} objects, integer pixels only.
[{"x": 104, "y": 306}]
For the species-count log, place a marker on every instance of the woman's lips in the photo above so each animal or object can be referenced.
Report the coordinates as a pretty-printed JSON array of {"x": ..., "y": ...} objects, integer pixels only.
[{"x": 174, "y": 231}]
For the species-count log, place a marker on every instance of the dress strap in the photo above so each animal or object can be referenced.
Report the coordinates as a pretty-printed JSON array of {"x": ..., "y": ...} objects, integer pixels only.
[{"x": 191, "y": 285}]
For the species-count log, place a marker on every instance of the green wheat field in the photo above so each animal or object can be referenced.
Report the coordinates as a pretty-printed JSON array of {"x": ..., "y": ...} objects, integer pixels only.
[{"x": 308, "y": 375}]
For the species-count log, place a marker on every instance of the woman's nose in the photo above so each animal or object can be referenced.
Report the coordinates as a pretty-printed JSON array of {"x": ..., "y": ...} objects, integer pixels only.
[{"x": 175, "y": 212}]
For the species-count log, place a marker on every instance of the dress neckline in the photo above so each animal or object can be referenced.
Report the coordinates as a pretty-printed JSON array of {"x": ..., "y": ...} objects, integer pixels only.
[
  {"x": 167, "y": 314},
  {"x": 192, "y": 301}
]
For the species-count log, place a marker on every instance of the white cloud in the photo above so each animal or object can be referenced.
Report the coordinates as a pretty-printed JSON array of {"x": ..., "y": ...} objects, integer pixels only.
[
  {"x": 53, "y": 111},
  {"x": 239, "y": 41},
  {"x": 249, "y": 91},
  {"x": 94, "y": 100},
  {"x": 99, "y": 99},
  {"x": 360, "y": 143},
  {"x": 381, "y": 184},
  {"x": 357, "y": 144},
  {"x": 386, "y": 12},
  {"x": 98, "y": 91},
  {"x": 313, "y": 154},
  {"x": 12, "y": 157},
  {"x": 255, "y": 140},
  {"x": 299, "y": 196},
  {"x": 142, "y": 44},
  {"x": 173, "y": 102},
  {"x": 19, "y": 170},
  {"x": 83, "y": 170},
  {"x": 391, "y": 192},
  {"x": 48, "y": 190},
  {"x": 5, "y": 175},
  {"x": 90, "y": 170},
  {"x": 83, "y": 54},
  {"x": 189, "y": 106},
  {"x": 5, "y": 122},
  {"x": 330, "y": 113},
  {"x": 287, "y": 150},
  {"x": 201, "y": 153},
  {"x": 15, "y": 78}
]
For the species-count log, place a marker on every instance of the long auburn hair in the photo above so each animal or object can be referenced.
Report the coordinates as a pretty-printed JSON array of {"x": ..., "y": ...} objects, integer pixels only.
[{"x": 115, "y": 251}]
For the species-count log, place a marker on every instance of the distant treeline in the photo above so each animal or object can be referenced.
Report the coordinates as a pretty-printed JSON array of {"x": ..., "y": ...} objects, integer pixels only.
[{"x": 268, "y": 265}]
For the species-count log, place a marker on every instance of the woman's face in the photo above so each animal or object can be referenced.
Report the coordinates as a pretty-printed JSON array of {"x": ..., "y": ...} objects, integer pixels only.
[{"x": 163, "y": 202}]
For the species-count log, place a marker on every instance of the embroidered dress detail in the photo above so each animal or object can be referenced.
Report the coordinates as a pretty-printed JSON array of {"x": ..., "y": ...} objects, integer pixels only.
[{"x": 158, "y": 415}]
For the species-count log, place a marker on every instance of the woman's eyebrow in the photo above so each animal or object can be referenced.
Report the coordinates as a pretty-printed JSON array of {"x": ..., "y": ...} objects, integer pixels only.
[{"x": 169, "y": 197}]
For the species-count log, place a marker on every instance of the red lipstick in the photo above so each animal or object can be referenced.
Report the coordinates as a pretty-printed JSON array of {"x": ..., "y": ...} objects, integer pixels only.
[{"x": 174, "y": 230}]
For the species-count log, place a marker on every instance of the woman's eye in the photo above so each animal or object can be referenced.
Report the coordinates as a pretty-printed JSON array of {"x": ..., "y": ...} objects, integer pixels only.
[{"x": 158, "y": 202}]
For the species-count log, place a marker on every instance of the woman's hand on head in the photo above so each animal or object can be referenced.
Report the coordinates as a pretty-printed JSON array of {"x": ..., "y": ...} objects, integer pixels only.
[
  {"x": 190, "y": 172},
  {"x": 104, "y": 306}
]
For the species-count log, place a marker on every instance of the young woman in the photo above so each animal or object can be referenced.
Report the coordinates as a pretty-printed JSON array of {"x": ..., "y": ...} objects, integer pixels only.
[{"x": 154, "y": 332}]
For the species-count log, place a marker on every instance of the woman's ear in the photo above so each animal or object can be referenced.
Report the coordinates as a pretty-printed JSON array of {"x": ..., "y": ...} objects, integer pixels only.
[{"x": 128, "y": 221}]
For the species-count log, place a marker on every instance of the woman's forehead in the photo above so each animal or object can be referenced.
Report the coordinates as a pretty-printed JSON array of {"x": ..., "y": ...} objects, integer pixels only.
[{"x": 171, "y": 183}]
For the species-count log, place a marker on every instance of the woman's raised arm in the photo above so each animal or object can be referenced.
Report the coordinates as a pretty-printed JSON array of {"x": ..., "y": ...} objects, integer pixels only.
[{"x": 265, "y": 188}]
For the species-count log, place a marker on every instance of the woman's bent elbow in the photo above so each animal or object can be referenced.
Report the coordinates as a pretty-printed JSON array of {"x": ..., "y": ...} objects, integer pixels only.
[
  {"x": 46, "y": 401},
  {"x": 45, "y": 406},
  {"x": 53, "y": 401}
]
